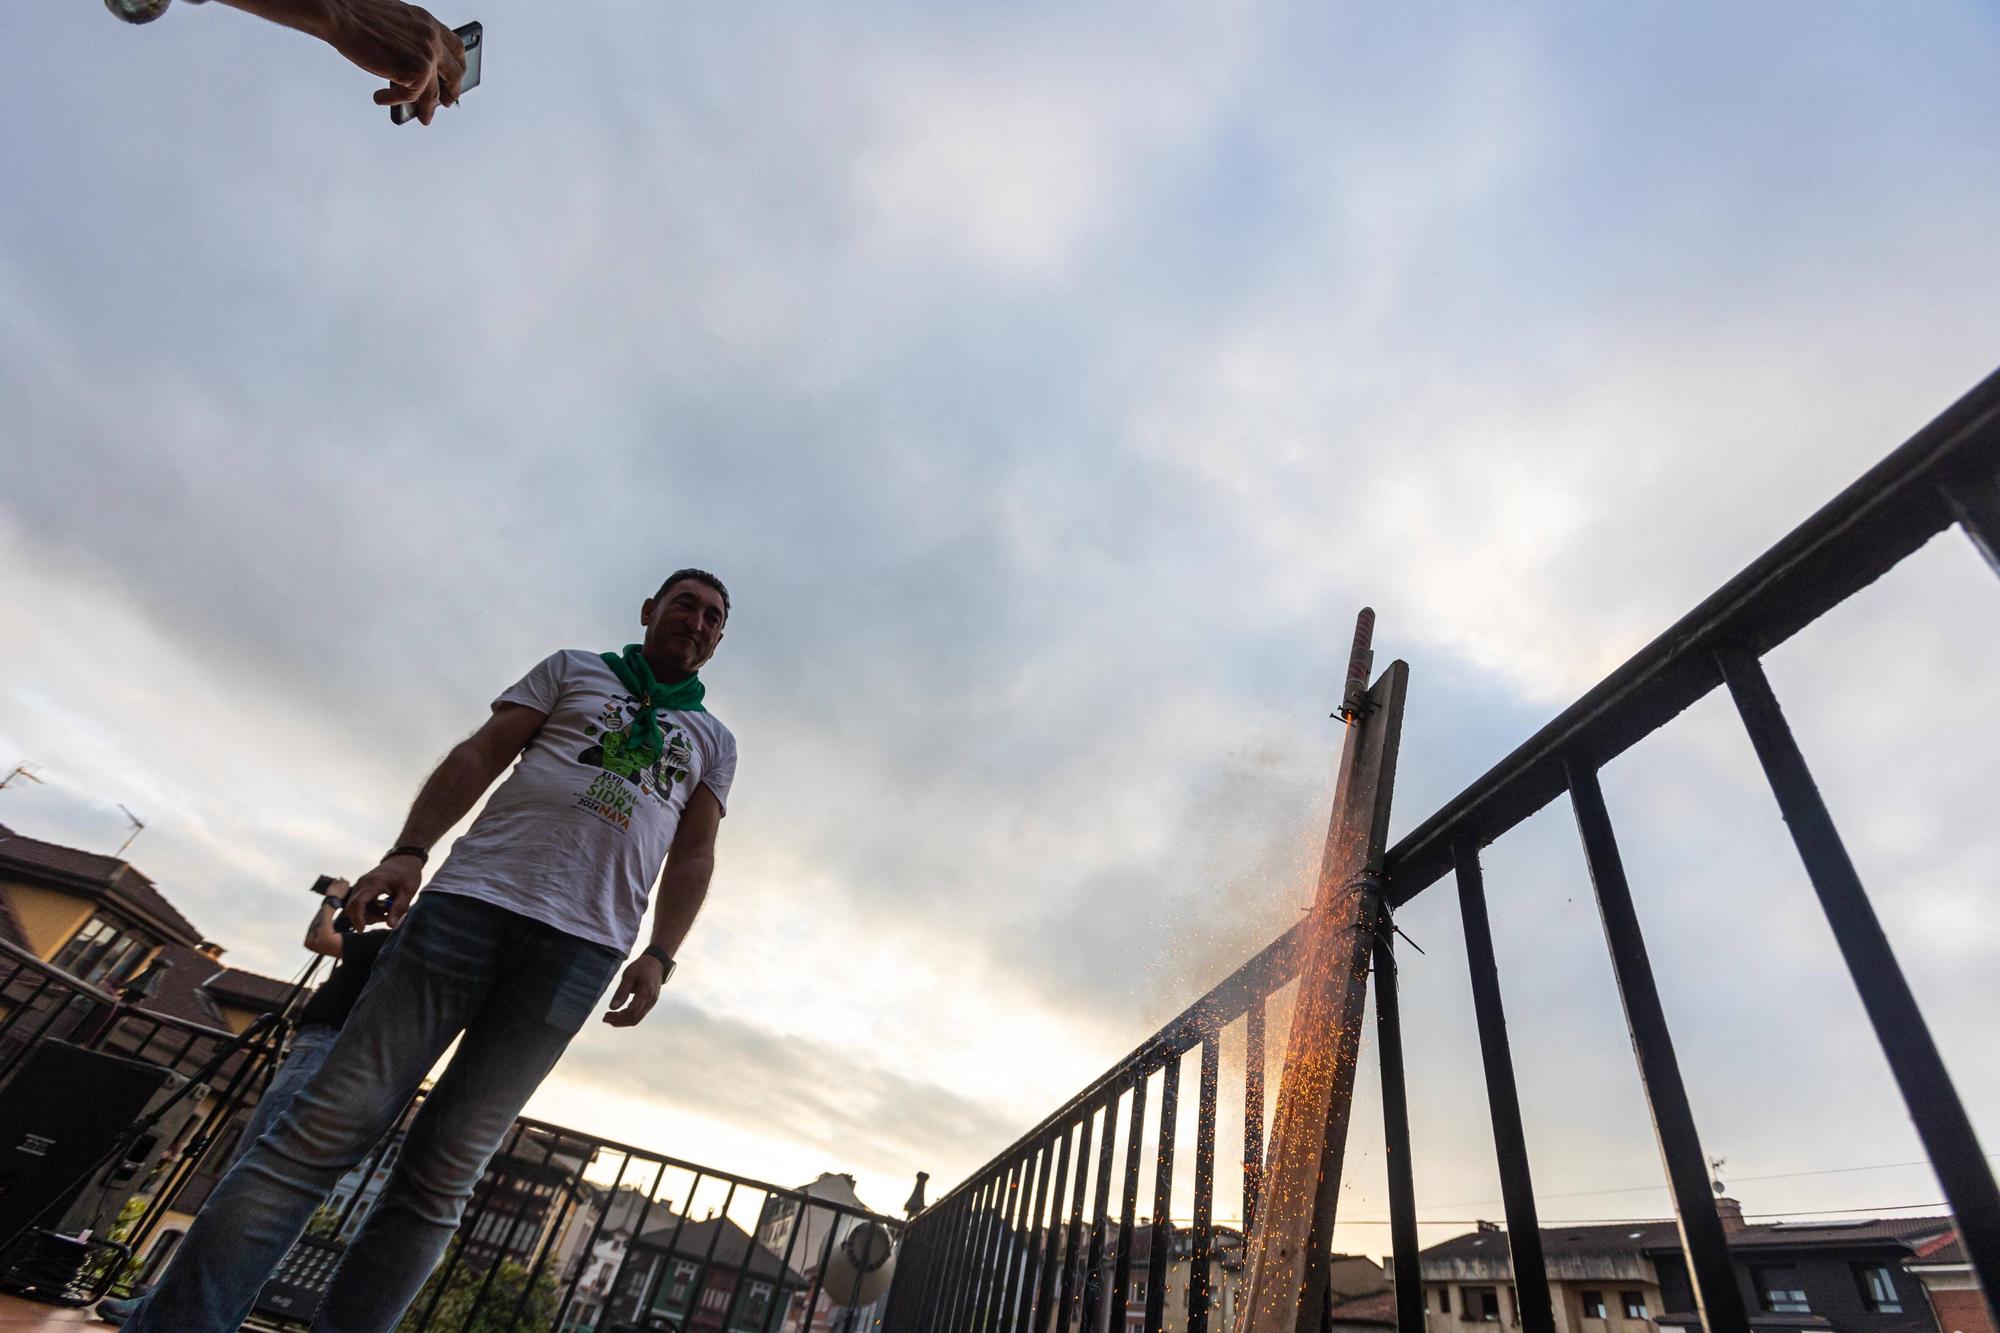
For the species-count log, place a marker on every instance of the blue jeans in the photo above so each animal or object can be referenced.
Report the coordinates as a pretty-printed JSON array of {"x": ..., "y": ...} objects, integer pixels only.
[
  {"x": 309, "y": 1047},
  {"x": 518, "y": 990}
]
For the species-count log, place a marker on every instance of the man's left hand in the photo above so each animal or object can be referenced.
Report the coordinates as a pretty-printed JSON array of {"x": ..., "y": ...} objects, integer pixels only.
[{"x": 638, "y": 991}]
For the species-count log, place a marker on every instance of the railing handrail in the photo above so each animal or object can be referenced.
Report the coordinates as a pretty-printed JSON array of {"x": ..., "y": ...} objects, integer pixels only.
[
  {"x": 91, "y": 990},
  {"x": 1849, "y": 542},
  {"x": 28, "y": 958},
  {"x": 1271, "y": 967},
  {"x": 597, "y": 1144}
]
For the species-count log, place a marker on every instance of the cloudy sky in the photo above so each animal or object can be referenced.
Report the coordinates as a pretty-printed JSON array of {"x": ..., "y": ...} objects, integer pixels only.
[{"x": 1050, "y": 386}]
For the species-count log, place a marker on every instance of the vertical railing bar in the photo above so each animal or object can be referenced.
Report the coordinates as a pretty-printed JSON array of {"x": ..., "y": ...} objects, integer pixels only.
[
  {"x": 1001, "y": 1261},
  {"x": 26, "y": 1004},
  {"x": 916, "y": 1251},
  {"x": 374, "y": 1161},
  {"x": 1100, "y": 1211},
  {"x": 501, "y": 1250},
  {"x": 940, "y": 1218},
  {"x": 963, "y": 1226},
  {"x": 1934, "y": 1105},
  {"x": 1019, "y": 1258},
  {"x": 938, "y": 1246},
  {"x": 1253, "y": 1113},
  {"x": 1718, "y": 1302},
  {"x": 570, "y": 1184},
  {"x": 1066, "y": 1306},
  {"x": 590, "y": 1244},
  {"x": 632, "y": 1248},
  {"x": 1517, "y": 1189},
  {"x": 1202, "y": 1247},
  {"x": 988, "y": 1198},
  {"x": 666, "y": 1267},
  {"x": 1396, "y": 1133},
  {"x": 819, "y": 1270},
  {"x": 491, "y": 1182},
  {"x": 1048, "y": 1250},
  {"x": 1160, "y": 1257},
  {"x": 1121, "y": 1273},
  {"x": 997, "y": 1253},
  {"x": 781, "y": 1295},
  {"x": 989, "y": 1228},
  {"x": 1031, "y": 1241},
  {"x": 708, "y": 1256},
  {"x": 743, "y": 1269}
]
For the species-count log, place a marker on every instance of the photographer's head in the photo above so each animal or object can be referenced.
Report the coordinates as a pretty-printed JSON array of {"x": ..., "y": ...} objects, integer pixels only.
[{"x": 684, "y": 621}]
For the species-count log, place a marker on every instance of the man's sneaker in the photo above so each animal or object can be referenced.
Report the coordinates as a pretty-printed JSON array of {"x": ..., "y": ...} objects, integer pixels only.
[{"x": 117, "y": 1309}]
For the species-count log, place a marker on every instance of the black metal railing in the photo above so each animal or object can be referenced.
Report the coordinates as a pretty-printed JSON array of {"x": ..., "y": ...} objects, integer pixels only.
[
  {"x": 569, "y": 1230},
  {"x": 566, "y": 1230},
  {"x": 1004, "y": 1251}
]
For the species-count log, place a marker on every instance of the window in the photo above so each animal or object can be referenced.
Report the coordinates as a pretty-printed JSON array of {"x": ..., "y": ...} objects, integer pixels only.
[
  {"x": 1878, "y": 1288},
  {"x": 715, "y": 1298},
  {"x": 680, "y": 1284},
  {"x": 1481, "y": 1304},
  {"x": 1593, "y": 1305},
  {"x": 98, "y": 950},
  {"x": 1779, "y": 1290},
  {"x": 1138, "y": 1291},
  {"x": 1444, "y": 1300},
  {"x": 755, "y": 1306},
  {"x": 1634, "y": 1303}
]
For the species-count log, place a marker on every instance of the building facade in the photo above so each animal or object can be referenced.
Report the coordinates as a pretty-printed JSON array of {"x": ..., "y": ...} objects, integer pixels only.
[{"x": 1804, "y": 1277}]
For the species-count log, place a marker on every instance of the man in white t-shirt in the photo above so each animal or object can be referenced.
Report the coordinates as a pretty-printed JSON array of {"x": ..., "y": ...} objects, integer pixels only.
[{"x": 621, "y": 779}]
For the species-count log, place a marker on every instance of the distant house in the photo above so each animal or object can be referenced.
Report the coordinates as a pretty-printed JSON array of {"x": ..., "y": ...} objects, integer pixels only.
[
  {"x": 1942, "y": 1265},
  {"x": 592, "y": 1249},
  {"x": 800, "y": 1246},
  {"x": 526, "y": 1196},
  {"x": 700, "y": 1277},
  {"x": 1225, "y": 1276},
  {"x": 100, "y": 920},
  {"x": 1632, "y": 1277}
]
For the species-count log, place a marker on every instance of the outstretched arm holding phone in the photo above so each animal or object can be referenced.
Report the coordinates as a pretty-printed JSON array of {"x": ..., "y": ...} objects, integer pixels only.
[
  {"x": 423, "y": 61},
  {"x": 400, "y": 42}
]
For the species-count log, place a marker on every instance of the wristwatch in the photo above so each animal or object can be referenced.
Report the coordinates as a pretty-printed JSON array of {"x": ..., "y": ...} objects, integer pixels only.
[
  {"x": 659, "y": 955},
  {"x": 422, "y": 854}
]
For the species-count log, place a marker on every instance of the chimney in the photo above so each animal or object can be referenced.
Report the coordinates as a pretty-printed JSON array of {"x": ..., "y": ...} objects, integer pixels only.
[
  {"x": 210, "y": 949},
  {"x": 1731, "y": 1213}
]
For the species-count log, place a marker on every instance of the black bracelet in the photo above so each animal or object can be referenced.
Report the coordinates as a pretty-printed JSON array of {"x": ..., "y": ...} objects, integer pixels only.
[
  {"x": 407, "y": 849},
  {"x": 660, "y": 956}
]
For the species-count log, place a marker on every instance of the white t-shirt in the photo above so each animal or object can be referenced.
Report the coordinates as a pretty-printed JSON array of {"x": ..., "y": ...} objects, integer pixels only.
[{"x": 577, "y": 834}]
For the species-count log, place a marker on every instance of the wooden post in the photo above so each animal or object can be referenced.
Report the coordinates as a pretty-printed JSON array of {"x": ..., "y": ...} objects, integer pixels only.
[{"x": 1284, "y": 1280}]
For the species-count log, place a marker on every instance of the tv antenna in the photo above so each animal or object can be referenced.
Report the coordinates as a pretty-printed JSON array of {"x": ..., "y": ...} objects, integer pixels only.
[
  {"x": 23, "y": 770},
  {"x": 138, "y": 827}
]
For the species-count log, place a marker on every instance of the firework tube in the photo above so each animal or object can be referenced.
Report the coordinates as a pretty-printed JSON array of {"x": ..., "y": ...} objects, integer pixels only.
[{"x": 1358, "y": 662}]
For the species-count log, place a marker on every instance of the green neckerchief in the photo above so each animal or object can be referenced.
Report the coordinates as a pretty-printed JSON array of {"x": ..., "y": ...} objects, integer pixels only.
[{"x": 632, "y": 669}]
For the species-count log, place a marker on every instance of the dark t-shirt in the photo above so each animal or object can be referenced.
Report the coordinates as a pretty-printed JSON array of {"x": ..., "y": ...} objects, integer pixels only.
[{"x": 332, "y": 1001}]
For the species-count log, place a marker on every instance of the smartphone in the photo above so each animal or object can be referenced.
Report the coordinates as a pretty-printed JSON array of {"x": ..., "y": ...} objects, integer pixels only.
[
  {"x": 321, "y": 885},
  {"x": 474, "y": 38}
]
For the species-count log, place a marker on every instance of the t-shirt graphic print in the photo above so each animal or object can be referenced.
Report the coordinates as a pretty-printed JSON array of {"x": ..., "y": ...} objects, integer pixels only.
[{"x": 576, "y": 835}]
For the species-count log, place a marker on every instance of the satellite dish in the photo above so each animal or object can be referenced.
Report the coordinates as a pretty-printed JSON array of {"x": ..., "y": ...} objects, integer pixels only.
[{"x": 859, "y": 1269}]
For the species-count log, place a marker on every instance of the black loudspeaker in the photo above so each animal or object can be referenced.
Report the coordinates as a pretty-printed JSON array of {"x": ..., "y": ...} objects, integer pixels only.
[{"x": 63, "y": 1109}]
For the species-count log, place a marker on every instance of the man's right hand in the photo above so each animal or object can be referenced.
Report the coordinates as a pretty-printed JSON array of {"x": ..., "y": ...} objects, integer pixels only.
[
  {"x": 384, "y": 893},
  {"x": 421, "y": 58}
]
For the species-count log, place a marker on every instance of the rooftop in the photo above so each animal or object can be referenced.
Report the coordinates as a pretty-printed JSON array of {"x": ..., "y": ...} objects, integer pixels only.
[{"x": 103, "y": 876}]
